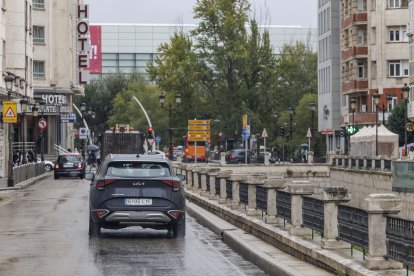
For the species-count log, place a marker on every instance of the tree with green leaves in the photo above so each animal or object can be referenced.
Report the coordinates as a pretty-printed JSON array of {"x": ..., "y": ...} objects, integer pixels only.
[{"x": 396, "y": 123}]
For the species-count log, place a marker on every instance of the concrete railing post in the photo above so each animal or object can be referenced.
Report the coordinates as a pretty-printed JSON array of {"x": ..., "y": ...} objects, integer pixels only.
[
  {"x": 235, "y": 189},
  {"x": 298, "y": 189},
  {"x": 331, "y": 197},
  {"x": 222, "y": 158},
  {"x": 213, "y": 173},
  {"x": 190, "y": 177},
  {"x": 272, "y": 185},
  {"x": 310, "y": 157},
  {"x": 365, "y": 162},
  {"x": 223, "y": 175},
  {"x": 203, "y": 178},
  {"x": 253, "y": 181},
  {"x": 382, "y": 163},
  {"x": 267, "y": 158},
  {"x": 196, "y": 171},
  {"x": 377, "y": 206}
]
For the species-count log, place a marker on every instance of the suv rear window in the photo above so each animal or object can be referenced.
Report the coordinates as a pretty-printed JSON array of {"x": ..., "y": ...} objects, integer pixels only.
[
  {"x": 69, "y": 158},
  {"x": 137, "y": 169}
]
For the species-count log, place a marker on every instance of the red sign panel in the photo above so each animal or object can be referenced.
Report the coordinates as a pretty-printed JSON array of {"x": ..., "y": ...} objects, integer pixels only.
[
  {"x": 42, "y": 123},
  {"x": 95, "y": 59}
]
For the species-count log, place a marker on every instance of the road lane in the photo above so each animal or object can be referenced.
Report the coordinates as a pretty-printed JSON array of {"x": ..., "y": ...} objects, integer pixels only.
[{"x": 43, "y": 231}]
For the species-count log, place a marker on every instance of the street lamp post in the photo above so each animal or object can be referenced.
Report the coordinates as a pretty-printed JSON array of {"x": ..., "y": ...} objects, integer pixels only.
[
  {"x": 376, "y": 97},
  {"x": 170, "y": 108},
  {"x": 405, "y": 92},
  {"x": 23, "y": 105},
  {"x": 42, "y": 103},
  {"x": 353, "y": 108},
  {"x": 83, "y": 109},
  {"x": 312, "y": 107},
  {"x": 275, "y": 116},
  {"x": 9, "y": 80},
  {"x": 290, "y": 110}
]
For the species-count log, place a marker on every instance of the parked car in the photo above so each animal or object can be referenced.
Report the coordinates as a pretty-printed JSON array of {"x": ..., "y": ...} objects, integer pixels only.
[
  {"x": 157, "y": 152},
  {"x": 69, "y": 164},
  {"x": 152, "y": 195},
  {"x": 49, "y": 165},
  {"x": 237, "y": 156}
]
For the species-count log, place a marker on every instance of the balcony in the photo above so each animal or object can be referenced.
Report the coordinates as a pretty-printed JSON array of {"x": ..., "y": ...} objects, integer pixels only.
[
  {"x": 354, "y": 19},
  {"x": 350, "y": 86},
  {"x": 360, "y": 51}
]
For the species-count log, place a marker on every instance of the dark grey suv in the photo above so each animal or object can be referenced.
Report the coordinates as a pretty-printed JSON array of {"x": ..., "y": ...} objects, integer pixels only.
[{"x": 136, "y": 190}]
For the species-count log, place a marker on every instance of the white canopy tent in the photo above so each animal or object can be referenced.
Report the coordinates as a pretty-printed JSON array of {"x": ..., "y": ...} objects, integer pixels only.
[{"x": 363, "y": 143}]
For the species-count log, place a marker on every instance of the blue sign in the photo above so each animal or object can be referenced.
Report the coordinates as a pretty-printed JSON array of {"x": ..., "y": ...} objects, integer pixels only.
[
  {"x": 245, "y": 136},
  {"x": 158, "y": 139}
]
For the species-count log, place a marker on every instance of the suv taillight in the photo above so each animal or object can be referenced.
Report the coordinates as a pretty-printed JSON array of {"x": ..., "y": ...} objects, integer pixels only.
[
  {"x": 79, "y": 165},
  {"x": 174, "y": 184},
  {"x": 56, "y": 166},
  {"x": 100, "y": 184}
]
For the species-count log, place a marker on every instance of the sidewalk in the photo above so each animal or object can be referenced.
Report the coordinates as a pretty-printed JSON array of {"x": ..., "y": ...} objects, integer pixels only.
[{"x": 21, "y": 185}]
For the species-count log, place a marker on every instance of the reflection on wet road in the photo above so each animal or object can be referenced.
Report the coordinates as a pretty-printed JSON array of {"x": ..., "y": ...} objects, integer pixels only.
[{"x": 43, "y": 231}]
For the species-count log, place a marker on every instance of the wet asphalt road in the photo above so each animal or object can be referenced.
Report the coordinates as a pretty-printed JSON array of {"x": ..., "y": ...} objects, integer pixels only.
[{"x": 43, "y": 231}]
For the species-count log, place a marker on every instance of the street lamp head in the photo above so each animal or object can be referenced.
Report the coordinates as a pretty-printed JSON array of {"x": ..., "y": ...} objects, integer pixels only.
[
  {"x": 275, "y": 114},
  {"x": 376, "y": 97},
  {"x": 162, "y": 98},
  {"x": 35, "y": 111},
  {"x": 178, "y": 98},
  {"x": 89, "y": 111},
  {"x": 22, "y": 84},
  {"x": 23, "y": 104},
  {"x": 290, "y": 109},
  {"x": 312, "y": 105},
  {"x": 405, "y": 91},
  {"x": 353, "y": 104},
  {"x": 9, "y": 79},
  {"x": 83, "y": 106},
  {"x": 17, "y": 81},
  {"x": 93, "y": 115}
]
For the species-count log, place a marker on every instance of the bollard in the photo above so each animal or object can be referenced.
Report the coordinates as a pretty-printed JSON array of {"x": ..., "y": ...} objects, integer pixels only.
[
  {"x": 297, "y": 189},
  {"x": 310, "y": 157},
  {"x": 331, "y": 197},
  {"x": 267, "y": 158},
  {"x": 222, "y": 158},
  {"x": 377, "y": 206}
]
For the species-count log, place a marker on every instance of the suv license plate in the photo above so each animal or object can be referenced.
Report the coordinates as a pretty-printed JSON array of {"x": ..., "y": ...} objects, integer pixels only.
[
  {"x": 68, "y": 165},
  {"x": 138, "y": 201}
]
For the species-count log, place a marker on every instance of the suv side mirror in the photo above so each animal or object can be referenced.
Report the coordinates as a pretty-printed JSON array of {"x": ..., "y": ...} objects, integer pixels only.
[
  {"x": 181, "y": 176},
  {"x": 89, "y": 176}
]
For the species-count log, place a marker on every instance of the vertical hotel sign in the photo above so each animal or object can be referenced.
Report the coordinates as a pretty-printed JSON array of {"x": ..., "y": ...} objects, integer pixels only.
[
  {"x": 95, "y": 56},
  {"x": 82, "y": 34}
]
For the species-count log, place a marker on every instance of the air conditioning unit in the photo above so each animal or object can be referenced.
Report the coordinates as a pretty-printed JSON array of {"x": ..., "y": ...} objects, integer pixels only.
[{"x": 363, "y": 108}]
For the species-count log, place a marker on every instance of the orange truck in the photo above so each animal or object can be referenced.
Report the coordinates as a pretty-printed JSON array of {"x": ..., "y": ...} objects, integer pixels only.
[{"x": 193, "y": 148}]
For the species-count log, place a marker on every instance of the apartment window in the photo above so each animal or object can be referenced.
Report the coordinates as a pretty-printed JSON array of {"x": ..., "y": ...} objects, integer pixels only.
[
  {"x": 398, "y": 68},
  {"x": 398, "y": 33},
  {"x": 360, "y": 5},
  {"x": 38, "y": 34},
  {"x": 39, "y": 4},
  {"x": 394, "y": 3},
  {"x": 38, "y": 69},
  {"x": 361, "y": 72},
  {"x": 360, "y": 35}
]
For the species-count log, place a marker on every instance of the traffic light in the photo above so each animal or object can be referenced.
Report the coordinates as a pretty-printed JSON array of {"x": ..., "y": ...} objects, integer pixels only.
[
  {"x": 281, "y": 131},
  {"x": 287, "y": 138},
  {"x": 150, "y": 133},
  {"x": 342, "y": 131}
]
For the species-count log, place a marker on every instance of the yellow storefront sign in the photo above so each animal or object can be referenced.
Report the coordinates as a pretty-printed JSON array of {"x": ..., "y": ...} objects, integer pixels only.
[{"x": 9, "y": 112}]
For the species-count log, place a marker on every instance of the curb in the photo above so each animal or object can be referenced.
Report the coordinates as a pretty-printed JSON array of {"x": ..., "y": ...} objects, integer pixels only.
[
  {"x": 233, "y": 237},
  {"x": 26, "y": 183}
]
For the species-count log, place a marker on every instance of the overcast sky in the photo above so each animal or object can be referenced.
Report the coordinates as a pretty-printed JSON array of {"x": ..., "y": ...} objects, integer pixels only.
[{"x": 293, "y": 12}]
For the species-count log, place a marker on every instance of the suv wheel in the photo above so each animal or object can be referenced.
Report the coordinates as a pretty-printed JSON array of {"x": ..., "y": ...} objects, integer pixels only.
[
  {"x": 94, "y": 229},
  {"x": 178, "y": 228}
]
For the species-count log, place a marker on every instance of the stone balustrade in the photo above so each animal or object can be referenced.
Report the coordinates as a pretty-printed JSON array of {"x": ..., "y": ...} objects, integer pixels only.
[{"x": 377, "y": 206}]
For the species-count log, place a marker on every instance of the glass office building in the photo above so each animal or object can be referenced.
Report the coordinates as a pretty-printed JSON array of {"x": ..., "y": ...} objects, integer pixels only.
[{"x": 127, "y": 48}]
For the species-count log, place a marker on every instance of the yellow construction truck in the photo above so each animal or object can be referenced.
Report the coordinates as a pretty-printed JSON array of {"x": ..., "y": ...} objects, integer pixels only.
[{"x": 122, "y": 139}]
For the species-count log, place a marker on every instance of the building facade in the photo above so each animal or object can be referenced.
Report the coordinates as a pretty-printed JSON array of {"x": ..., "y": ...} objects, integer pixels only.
[
  {"x": 329, "y": 74},
  {"x": 39, "y": 50},
  {"x": 374, "y": 58},
  {"x": 128, "y": 48}
]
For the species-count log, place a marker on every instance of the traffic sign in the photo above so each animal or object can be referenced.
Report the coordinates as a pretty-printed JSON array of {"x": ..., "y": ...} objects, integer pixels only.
[
  {"x": 197, "y": 138},
  {"x": 198, "y": 122},
  {"x": 244, "y": 119},
  {"x": 83, "y": 133},
  {"x": 202, "y": 133},
  {"x": 198, "y": 127},
  {"x": 158, "y": 139},
  {"x": 309, "y": 134},
  {"x": 42, "y": 123},
  {"x": 264, "y": 133},
  {"x": 9, "y": 112},
  {"x": 245, "y": 136}
]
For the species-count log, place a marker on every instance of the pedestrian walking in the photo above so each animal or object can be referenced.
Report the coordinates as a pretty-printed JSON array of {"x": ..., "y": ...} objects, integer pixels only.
[{"x": 91, "y": 160}]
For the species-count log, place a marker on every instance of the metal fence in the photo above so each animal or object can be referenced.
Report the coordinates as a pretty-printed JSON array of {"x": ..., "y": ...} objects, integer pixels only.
[
  {"x": 400, "y": 240},
  {"x": 199, "y": 179},
  {"x": 229, "y": 189},
  {"x": 283, "y": 204},
  {"x": 244, "y": 193},
  {"x": 217, "y": 185},
  {"x": 27, "y": 171},
  {"x": 377, "y": 164},
  {"x": 261, "y": 198},
  {"x": 208, "y": 183},
  {"x": 387, "y": 165},
  {"x": 313, "y": 213},
  {"x": 353, "y": 225}
]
